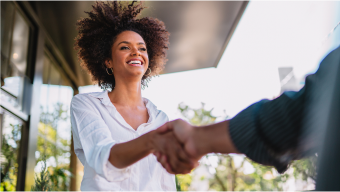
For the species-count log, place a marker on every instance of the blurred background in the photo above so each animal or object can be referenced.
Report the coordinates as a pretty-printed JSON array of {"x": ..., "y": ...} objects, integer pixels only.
[{"x": 223, "y": 57}]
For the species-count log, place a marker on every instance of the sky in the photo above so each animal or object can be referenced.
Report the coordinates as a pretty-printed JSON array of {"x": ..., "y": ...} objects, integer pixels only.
[{"x": 269, "y": 35}]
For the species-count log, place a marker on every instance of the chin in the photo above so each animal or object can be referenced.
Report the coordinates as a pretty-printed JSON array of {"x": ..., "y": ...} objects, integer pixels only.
[{"x": 136, "y": 74}]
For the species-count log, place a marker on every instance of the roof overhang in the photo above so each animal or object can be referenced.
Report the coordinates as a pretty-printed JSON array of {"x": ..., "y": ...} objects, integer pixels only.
[{"x": 199, "y": 30}]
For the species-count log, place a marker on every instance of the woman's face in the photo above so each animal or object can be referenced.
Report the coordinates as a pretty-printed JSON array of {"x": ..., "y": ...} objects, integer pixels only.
[{"x": 129, "y": 56}]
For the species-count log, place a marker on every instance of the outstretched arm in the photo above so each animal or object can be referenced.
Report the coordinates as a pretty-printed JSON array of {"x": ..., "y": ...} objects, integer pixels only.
[
  {"x": 125, "y": 154},
  {"x": 198, "y": 141},
  {"x": 270, "y": 132}
]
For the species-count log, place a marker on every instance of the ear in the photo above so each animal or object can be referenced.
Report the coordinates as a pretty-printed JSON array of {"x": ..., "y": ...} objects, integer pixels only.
[{"x": 108, "y": 63}]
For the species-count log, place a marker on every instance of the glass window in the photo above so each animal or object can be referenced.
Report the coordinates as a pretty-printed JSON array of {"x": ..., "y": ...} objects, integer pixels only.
[
  {"x": 7, "y": 15},
  {"x": 10, "y": 143},
  {"x": 54, "y": 136},
  {"x": 14, "y": 47}
]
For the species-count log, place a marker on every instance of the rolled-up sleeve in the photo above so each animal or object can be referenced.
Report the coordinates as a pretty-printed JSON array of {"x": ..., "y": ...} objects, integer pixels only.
[{"x": 95, "y": 139}]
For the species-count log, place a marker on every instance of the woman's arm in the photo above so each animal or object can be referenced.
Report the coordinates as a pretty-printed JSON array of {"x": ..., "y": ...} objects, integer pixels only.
[
  {"x": 97, "y": 148},
  {"x": 126, "y": 154}
]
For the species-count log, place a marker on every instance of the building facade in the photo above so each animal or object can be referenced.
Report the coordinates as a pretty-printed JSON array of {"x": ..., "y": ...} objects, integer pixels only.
[{"x": 35, "y": 96}]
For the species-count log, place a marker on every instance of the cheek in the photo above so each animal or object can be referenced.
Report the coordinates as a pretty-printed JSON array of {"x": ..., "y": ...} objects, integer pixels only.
[
  {"x": 146, "y": 58},
  {"x": 118, "y": 58}
]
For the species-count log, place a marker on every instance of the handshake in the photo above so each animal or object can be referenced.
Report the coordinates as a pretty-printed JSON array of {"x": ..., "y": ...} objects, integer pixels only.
[{"x": 178, "y": 145}]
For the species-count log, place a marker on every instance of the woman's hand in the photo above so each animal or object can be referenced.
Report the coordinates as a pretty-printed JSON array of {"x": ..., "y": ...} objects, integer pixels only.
[
  {"x": 186, "y": 135},
  {"x": 196, "y": 141},
  {"x": 175, "y": 159}
]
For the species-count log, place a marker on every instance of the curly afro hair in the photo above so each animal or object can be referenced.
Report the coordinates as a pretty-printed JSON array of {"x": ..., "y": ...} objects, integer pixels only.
[{"x": 98, "y": 33}]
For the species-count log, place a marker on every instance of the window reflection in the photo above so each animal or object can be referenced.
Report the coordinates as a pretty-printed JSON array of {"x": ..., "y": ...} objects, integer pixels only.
[
  {"x": 19, "y": 49},
  {"x": 14, "y": 47},
  {"x": 54, "y": 130},
  {"x": 7, "y": 15},
  {"x": 11, "y": 135}
]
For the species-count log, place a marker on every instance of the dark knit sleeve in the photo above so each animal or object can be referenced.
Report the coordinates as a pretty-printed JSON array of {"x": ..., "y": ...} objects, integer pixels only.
[
  {"x": 275, "y": 132},
  {"x": 268, "y": 131}
]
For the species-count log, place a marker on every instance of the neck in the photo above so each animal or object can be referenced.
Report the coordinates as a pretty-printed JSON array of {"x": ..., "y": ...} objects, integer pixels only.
[{"x": 127, "y": 93}]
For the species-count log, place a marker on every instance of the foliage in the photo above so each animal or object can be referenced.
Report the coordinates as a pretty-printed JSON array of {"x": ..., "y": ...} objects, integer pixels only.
[
  {"x": 9, "y": 157},
  {"x": 305, "y": 169},
  {"x": 178, "y": 186},
  {"x": 48, "y": 141},
  {"x": 229, "y": 177},
  {"x": 42, "y": 182},
  {"x": 59, "y": 177},
  {"x": 49, "y": 144},
  {"x": 197, "y": 117},
  {"x": 225, "y": 174},
  {"x": 183, "y": 182},
  {"x": 51, "y": 147},
  {"x": 264, "y": 178}
]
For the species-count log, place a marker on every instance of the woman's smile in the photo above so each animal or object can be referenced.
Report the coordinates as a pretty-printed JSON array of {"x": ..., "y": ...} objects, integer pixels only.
[{"x": 135, "y": 62}]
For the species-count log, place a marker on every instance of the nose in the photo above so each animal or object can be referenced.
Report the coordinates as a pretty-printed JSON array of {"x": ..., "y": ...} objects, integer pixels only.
[{"x": 135, "y": 52}]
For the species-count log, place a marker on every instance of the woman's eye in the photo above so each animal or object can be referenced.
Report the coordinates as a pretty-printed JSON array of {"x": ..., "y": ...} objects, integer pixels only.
[
  {"x": 123, "y": 48},
  {"x": 143, "y": 49}
]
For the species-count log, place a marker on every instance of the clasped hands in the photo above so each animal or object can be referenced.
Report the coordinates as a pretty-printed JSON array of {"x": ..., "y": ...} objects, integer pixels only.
[{"x": 177, "y": 147}]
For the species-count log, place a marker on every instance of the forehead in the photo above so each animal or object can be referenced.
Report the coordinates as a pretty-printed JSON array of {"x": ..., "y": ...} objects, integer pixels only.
[{"x": 129, "y": 36}]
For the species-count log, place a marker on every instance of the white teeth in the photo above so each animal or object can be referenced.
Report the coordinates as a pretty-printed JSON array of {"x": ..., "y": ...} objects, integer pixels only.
[{"x": 135, "y": 62}]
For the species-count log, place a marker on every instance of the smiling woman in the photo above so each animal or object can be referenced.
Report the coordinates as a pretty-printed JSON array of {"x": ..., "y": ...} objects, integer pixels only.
[
  {"x": 129, "y": 57},
  {"x": 114, "y": 131},
  {"x": 107, "y": 21}
]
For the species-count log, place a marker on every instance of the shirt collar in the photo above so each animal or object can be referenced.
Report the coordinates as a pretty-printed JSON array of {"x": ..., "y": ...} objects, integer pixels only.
[
  {"x": 152, "y": 109},
  {"x": 104, "y": 98}
]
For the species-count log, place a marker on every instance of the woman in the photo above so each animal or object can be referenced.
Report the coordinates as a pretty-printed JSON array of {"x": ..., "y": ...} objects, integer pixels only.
[{"x": 114, "y": 131}]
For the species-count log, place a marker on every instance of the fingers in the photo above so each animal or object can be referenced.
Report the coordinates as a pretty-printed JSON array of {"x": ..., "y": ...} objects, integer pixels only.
[
  {"x": 162, "y": 159},
  {"x": 170, "y": 125},
  {"x": 164, "y": 128},
  {"x": 175, "y": 166},
  {"x": 183, "y": 156},
  {"x": 180, "y": 162},
  {"x": 178, "y": 159},
  {"x": 171, "y": 154},
  {"x": 167, "y": 166}
]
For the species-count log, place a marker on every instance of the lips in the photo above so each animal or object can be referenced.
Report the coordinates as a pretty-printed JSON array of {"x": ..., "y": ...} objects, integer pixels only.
[{"x": 135, "y": 62}]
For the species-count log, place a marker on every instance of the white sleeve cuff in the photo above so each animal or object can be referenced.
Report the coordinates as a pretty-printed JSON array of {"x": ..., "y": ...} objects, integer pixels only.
[{"x": 114, "y": 174}]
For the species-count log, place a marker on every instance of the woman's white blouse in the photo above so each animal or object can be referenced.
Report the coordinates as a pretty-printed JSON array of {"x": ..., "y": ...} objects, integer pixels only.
[{"x": 96, "y": 127}]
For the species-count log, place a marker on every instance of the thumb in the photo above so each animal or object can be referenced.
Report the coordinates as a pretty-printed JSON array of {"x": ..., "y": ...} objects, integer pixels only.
[{"x": 164, "y": 128}]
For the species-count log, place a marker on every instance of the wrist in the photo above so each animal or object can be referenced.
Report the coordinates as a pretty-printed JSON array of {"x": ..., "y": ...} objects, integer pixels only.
[
  {"x": 214, "y": 139},
  {"x": 151, "y": 141},
  {"x": 202, "y": 140}
]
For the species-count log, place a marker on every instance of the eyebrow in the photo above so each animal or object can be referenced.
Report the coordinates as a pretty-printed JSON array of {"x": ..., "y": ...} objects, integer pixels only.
[{"x": 140, "y": 43}]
